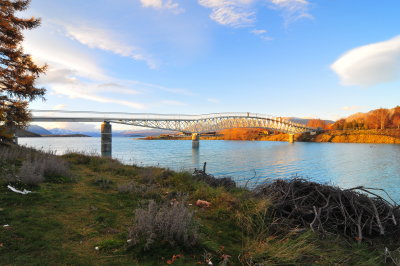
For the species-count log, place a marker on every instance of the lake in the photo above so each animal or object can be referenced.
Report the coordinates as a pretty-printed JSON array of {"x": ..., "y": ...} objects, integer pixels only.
[{"x": 343, "y": 164}]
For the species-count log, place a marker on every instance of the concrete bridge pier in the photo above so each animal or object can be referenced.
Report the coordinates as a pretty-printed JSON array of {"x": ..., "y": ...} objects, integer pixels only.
[
  {"x": 195, "y": 140},
  {"x": 106, "y": 139},
  {"x": 291, "y": 138},
  {"x": 15, "y": 140}
]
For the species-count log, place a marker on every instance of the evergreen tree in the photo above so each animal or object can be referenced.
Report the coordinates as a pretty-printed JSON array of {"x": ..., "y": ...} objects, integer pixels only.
[{"x": 17, "y": 70}]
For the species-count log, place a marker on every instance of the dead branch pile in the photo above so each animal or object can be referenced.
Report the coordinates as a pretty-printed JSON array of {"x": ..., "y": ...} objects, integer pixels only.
[
  {"x": 357, "y": 213},
  {"x": 201, "y": 175}
]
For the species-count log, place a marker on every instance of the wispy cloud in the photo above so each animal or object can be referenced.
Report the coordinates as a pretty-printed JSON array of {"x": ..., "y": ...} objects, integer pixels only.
[
  {"x": 242, "y": 13},
  {"x": 163, "y": 4},
  {"x": 234, "y": 13},
  {"x": 351, "y": 108},
  {"x": 75, "y": 74},
  {"x": 66, "y": 82},
  {"x": 59, "y": 107},
  {"x": 370, "y": 64},
  {"x": 261, "y": 33},
  {"x": 213, "y": 100},
  {"x": 258, "y": 32},
  {"x": 106, "y": 40},
  {"x": 292, "y": 10}
]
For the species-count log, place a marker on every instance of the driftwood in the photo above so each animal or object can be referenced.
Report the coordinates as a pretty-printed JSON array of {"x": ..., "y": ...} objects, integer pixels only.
[
  {"x": 358, "y": 213},
  {"x": 209, "y": 179}
]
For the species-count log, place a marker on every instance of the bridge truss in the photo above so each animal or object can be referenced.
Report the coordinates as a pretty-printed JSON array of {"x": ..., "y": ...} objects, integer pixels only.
[{"x": 182, "y": 123}]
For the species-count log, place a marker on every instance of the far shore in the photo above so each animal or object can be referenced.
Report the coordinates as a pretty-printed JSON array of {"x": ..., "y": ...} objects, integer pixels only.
[
  {"x": 56, "y": 136},
  {"x": 332, "y": 136}
]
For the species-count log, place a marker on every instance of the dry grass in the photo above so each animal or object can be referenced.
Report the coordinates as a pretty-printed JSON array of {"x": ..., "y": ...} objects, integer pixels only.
[
  {"x": 141, "y": 190},
  {"x": 32, "y": 167},
  {"x": 172, "y": 223},
  {"x": 31, "y": 172}
]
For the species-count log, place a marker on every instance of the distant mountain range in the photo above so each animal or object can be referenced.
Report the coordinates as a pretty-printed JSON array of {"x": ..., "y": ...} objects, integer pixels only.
[
  {"x": 117, "y": 133},
  {"x": 38, "y": 130}
]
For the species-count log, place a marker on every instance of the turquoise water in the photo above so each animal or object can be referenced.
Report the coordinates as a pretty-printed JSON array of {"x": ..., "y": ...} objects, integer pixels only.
[{"x": 342, "y": 164}]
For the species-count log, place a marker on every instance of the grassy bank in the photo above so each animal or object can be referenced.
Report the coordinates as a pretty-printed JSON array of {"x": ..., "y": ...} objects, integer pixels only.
[{"x": 101, "y": 212}]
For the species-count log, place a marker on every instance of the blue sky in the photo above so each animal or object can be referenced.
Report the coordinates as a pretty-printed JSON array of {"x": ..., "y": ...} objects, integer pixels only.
[{"x": 306, "y": 58}]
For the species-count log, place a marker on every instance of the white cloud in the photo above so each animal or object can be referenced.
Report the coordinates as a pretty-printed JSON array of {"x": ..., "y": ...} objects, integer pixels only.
[
  {"x": 152, "y": 3},
  {"x": 59, "y": 107},
  {"x": 115, "y": 87},
  {"x": 235, "y": 13},
  {"x": 258, "y": 32},
  {"x": 49, "y": 48},
  {"x": 241, "y": 13},
  {"x": 107, "y": 41},
  {"x": 292, "y": 10},
  {"x": 213, "y": 100},
  {"x": 160, "y": 4},
  {"x": 351, "y": 108},
  {"x": 75, "y": 74},
  {"x": 370, "y": 64},
  {"x": 262, "y": 34},
  {"x": 65, "y": 82}
]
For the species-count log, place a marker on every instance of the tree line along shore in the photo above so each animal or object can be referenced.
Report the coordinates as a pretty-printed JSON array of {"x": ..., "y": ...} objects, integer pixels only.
[{"x": 81, "y": 209}]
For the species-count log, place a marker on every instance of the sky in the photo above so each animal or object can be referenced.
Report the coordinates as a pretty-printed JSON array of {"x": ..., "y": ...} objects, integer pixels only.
[{"x": 305, "y": 58}]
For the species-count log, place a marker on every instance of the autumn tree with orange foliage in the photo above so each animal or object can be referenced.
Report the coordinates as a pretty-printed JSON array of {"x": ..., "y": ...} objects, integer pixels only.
[
  {"x": 395, "y": 119},
  {"x": 17, "y": 70},
  {"x": 242, "y": 133},
  {"x": 317, "y": 123},
  {"x": 378, "y": 118}
]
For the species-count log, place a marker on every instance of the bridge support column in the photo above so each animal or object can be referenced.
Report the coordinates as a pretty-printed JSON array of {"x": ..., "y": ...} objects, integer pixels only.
[
  {"x": 106, "y": 139},
  {"x": 15, "y": 140},
  {"x": 195, "y": 140},
  {"x": 291, "y": 138}
]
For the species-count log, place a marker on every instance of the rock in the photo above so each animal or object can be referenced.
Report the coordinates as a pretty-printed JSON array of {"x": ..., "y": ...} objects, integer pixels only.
[{"x": 203, "y": 204}]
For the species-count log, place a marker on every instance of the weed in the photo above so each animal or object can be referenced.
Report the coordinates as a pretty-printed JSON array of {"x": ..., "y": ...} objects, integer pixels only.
[
  {"x": 31, "y": 172},
  {"x": 103, "y": 183},
  {"x": 32, "y": 167},
  {"x": 171, "y": 223},
  {"x": 140, "y": 190}
]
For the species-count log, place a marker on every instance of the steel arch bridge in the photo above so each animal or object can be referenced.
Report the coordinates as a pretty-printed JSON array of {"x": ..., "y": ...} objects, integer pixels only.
[{"x": 182, "y": 123}]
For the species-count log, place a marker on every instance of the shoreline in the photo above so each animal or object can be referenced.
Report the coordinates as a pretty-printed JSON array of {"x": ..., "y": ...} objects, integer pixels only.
[{"x": 362, "y": 137}]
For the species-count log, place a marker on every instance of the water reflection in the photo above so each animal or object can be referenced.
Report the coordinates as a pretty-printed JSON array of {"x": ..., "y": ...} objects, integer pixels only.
[{"x": 196, "y": 158}]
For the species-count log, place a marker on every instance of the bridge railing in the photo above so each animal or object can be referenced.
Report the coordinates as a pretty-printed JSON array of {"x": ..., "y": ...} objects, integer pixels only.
[{"x": 139, "y": 116}]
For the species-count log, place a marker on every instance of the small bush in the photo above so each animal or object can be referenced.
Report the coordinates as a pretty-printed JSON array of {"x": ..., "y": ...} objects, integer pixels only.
[
  {"x": 103, "y": 183},
  {"x": 78, "y": 158},
  {"x": 171, "y": 223},
  {"x": 201, "y": 175},
  {"x": 55, "y": 167},
  {"x": 142, "y": 190},
  {"x": 32, "y": 172},
  {"x": 32, "y": 167},
  {"x": 13, "y": 153},
  {"x": 149, "y": 174}
]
